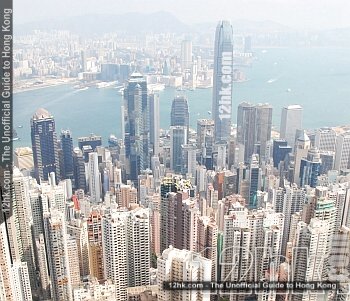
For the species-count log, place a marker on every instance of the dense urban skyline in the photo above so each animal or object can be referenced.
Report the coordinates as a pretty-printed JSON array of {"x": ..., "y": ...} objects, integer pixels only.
[{"x": 213, "y": 201}]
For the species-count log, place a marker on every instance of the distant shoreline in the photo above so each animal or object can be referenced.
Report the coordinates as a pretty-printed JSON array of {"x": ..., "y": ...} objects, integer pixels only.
[{"x": 45, "y": 85}]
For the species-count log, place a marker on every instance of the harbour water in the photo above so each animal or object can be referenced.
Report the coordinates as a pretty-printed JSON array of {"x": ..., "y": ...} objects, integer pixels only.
[{"x": 316, "y": 78}]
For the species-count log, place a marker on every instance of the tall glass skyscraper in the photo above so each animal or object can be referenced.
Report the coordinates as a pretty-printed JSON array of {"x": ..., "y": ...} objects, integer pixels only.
[
  {"x": 223, "y": 76},
  {"x": 291, "y": 121},
  {"x": 179, "y": 112},
  {"x": 44, "y": 144},
  {"x": 136, "y": 121},
  {"x": 67, "y": 152},
  {"x": 154, "y": 122}
]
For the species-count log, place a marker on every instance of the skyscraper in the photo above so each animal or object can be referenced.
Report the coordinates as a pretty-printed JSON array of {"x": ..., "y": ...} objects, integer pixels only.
[
  {"x": 291, "y": 121},
  {"x": 263, "y": 128},
  {"x": 223, "y": 76},
  {"x": 6, "y": 284},
  {"x": 186, "y": 54},
  {"x": 93, "y": 141},
  {"x": 325, "y": 139},
  {"x": 79, "y": 169},
  {"x": 254, "y": 123},
  {"x": 154, "y": 122},
  {"x": 21, "y": 233},
  {"x": 126, "y": 248},
  {"x": 94, "y": 178},
  {"x": 179, "y": 112},
  {"x": 342, "y": 154},
  {"x": 136, "y": 125},
  {"x": 246, "y": 125},
  {"x": 20, "y": 278},
  {"x": 58, "y": 257},
  {"x": 255, "y": 181},
  {"x": 44, "y": 144},
  {"x": 205, "y": 141},
  {"x": 67, "y": 151},
  {"x": 310, "y": 168},
  {"x": 189, "y": 160},
  {"x": 182, "y": 265},
  {"x": 308, "y": 257},
  {"x": 178, "y": 137},
  {"x": 280, "y": 149}
]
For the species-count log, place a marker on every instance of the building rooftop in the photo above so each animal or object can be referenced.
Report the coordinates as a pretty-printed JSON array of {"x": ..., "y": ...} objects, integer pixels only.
[
  {"x": 294, "y": 107},
  {"x": 22, "y": 151},
  {"x": 42, "y": 114}
]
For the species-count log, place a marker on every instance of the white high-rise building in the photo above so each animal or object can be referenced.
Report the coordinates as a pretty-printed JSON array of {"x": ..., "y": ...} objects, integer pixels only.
[
  {"x": 94, "y": 178},
  {"x": 42, "y": 264},
  {"x": 58, "y": 257},
  {"x": 77, "y": 228},
  {"x": 56, "y": 195},
  {"x": 6, "y": 283},
  {"x": 342, "y": 152},
  {"x": 291, "y": 121},
  {"x": 114, "y": 252},
  {"x": 186, "y": 54},
  {"x": 182, "y": 265},
  {"x": 325, "y": 139},
  {"x": 287, "y": 201},
  {"x": 154, "y": 128},
  {"x": 126, "y": 249},
  {"x": 20, "y": 230},
  {"x": 138, "y": 247},
  {"x": 309, "y": 256},
  {"x": 253, "y": 239},
  {"x": 39, "y": 204},
  {"x": 189, "y": 160},
  {"x": 21, "y": 282},
  {"x": 221, "y": 157}
]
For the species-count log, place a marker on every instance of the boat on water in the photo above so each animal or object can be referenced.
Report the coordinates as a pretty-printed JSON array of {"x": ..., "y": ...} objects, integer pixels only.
[
  {"x": 289, "y": 90},
  {"x": 83, "y": 89},
  {"x": 20, "y": 126},
  {"x": 271, "y": 80},
  {"x": 14, "y": 136}
]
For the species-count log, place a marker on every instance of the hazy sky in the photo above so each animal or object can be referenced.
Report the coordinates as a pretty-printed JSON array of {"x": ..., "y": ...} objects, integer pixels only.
[{"x": 295, "y": 13}]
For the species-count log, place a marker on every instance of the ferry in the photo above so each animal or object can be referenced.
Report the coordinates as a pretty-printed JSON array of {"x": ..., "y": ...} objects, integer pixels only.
[
  {"x": 14, "y": 136},
  {"x": 271, "y": 80}
]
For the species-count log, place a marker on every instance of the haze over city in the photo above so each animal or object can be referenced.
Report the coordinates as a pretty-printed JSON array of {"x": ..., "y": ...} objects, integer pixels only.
[
  {"x": 298, "y": 14},
  {"x": 176, "y": 151}
]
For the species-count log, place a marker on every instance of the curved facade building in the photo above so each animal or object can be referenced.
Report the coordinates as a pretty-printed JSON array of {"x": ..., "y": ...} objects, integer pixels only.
[{"x": 223, "y": 76}]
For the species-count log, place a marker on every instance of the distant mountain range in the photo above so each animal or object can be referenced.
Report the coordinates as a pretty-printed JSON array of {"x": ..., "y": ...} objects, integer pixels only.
[
  {"x": 103, "y": 23},
  {"x": 139, "y": 23}
]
